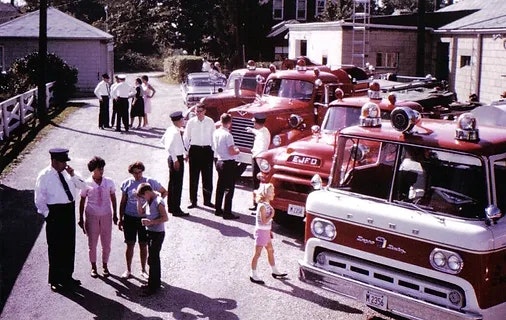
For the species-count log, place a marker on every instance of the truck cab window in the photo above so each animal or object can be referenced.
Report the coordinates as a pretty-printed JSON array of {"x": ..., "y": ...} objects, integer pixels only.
[{"x": 500, "y": 183}]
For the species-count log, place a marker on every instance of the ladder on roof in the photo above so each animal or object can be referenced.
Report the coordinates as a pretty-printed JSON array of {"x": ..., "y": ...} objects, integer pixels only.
[{"x": 361, "y": 18}]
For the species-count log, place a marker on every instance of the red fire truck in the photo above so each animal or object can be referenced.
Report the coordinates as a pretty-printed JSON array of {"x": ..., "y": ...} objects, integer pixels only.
[{"x": 410, "y": 222}]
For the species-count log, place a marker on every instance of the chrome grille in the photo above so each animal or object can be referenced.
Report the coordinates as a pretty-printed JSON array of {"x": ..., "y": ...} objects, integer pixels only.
[
  {"x": 424, "y": 288},
  {"x": 241, "y": 137}
]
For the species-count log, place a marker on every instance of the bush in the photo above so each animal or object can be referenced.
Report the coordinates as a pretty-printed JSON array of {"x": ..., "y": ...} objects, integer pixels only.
[
  {"x": 23, "y": 75},
  {"x": 131, "y": 61},
  {"x": 176, "y": 67}
]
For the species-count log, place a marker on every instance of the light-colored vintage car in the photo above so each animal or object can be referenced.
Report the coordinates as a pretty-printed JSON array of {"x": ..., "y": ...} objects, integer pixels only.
[{"x": 197, "y": 85}]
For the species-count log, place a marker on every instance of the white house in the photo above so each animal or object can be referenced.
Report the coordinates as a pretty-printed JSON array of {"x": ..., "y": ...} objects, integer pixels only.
[{"x": 79, "y": 44}]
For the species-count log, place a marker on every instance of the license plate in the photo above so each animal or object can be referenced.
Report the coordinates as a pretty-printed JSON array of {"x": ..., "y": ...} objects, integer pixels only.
[
  {"x": 295, "y": 210},
  {"x": 377, "y": 300}
]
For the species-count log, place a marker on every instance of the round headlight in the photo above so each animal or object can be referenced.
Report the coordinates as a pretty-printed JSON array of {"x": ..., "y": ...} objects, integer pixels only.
[
  {"x": 439, "y": 259},
  {"x": 318, "y": 228},
  {"x": 455, "y": 263},
  {"x": 323, "y": 229},
  {"x": 264, "y": 165},
  {"x": 276, "y": 140},
  {"x": 330, "y": 231},
  {"x": 455, "y": 298}
]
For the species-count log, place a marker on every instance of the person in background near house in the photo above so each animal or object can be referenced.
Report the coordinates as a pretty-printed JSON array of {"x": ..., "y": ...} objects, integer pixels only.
[
  {"x": 103, "y": 92},
  {"x": 114, "y": 102},
  {"x": 129, "y": 219},
  {"x": 149, "y": 92},
  {"x": 263, "y": 233},
  {"x": 121, "y": 92},
  {"x": 172, "y": 140},
  {"x": 151, "y": 207},
  {"x": 260, "y": 144},
  {"x": 217, "y": 67},
  {"x": 137, "y": 104},
  {"x": 96, "y": 201},
  {"x": 206, "y": 65},
  {"x": 226, "y": 153},
  {"x": 55, "y": 190},
  {"x": 198, "y": 139}
]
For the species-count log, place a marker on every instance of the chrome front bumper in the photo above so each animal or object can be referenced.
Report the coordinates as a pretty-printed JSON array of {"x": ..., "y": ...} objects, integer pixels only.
[{"x": 398, "y": 304}]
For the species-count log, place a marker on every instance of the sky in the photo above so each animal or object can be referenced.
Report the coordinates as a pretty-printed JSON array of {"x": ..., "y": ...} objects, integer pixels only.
[{"x": 17, "y": 2}]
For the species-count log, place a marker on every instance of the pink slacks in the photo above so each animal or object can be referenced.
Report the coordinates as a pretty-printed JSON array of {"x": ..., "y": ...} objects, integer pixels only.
[{"x": 99, "y": 226}]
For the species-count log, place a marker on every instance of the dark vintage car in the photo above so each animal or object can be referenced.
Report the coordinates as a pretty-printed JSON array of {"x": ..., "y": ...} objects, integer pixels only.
[{"x": 197, "y": 85}]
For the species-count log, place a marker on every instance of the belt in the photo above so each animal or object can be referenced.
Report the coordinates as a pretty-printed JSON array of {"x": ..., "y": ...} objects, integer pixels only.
[
  {"x": 227, "y": 160},
  {"x": 197, "y": 146}
]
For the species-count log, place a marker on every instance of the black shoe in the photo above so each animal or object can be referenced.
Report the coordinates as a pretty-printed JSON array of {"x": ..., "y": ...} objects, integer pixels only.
[
  {"x": 256, "y": 281},
  {"x": 73, "y": 282},
  {"x": 147, "y": 291},
  {"x": 192, "y": 206},
  {"x": 101, "y": 127},
  {"x": 108, "y": 127},
  {"x": 181, "y": 214},
  {"x": 55, "y": 287},
  {"x": 253, "y": 208},
  {"x": 279, "y": 275},
  {"x": 209, "y": 204},
  {"x": 118, "y": 130},
  {"x": 230, "y": 216}
]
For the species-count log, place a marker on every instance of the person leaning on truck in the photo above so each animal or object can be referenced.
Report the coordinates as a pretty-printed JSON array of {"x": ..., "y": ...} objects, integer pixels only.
[{"x": 260, "y": 144}]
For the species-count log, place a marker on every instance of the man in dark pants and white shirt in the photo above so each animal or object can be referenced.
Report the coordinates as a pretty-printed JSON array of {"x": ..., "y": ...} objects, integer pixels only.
[
  {"x": 172, "y": 141},
  {"x": 226, "y": 153},
  {"x": 198, "y": 138},
  {"x": 103, "y": 92},
  {"x": 121, "y": 92},
  {"x": 55, "y": 193}
]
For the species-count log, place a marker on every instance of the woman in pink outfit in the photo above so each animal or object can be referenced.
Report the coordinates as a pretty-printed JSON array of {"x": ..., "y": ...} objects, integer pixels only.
[
  {"x": 149, "y": 92},
  {"x": 98, "y": 205}
]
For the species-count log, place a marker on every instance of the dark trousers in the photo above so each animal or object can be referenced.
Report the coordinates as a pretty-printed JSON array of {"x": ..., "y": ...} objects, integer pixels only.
[
  {"x": 227, "y": 172},
  {"x": 61, "y": 242},
  {"x": 201, "y": 163},
  {"x": 114, "y": 112},
  {"x": 175, "y": 187},
  {"x": 155, "y": 240},
  {"x": 103, "y": 113},
  {"x": 256, "y": 182},
  {"x": 122, "y": 113}
]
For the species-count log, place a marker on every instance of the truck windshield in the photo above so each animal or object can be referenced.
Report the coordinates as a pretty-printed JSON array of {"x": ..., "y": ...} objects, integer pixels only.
[
  {"x": 500, "y": 183},
  {"x": 289, "y": 88},
  {"x": 445, "y": 182}
]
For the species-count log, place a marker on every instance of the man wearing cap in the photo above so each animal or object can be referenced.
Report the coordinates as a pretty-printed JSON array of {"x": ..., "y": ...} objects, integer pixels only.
[
  {"x": 260, "y": 144},
  {"x": 226, "y": 153},
  {"x": 121, "y": 92},
  {"x": 103, "y": 92},
  {"x": 55, "y": 193},
  {"x": 198, "y": 138},
  {"x": 172, "y": 141}
]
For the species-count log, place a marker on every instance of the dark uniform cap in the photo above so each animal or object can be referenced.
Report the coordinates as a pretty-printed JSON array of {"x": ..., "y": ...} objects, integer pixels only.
[
  {"x": 259, "y": 117},
  {"x": 105, "y": 76},
  {"x": 175, "y": 116},
  {"x": 60, "y": 154}
]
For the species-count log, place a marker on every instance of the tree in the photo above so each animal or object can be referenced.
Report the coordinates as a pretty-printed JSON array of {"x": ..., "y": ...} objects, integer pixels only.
[{"x": 337, "y": 10}]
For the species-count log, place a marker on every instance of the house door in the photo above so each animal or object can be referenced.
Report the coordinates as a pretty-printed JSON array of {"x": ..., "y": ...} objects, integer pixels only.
[{"x": 442, "y": 62}]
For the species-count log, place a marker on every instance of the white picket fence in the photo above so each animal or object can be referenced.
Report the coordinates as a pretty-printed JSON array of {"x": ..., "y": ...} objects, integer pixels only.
[{"x": 19, "y": 110}]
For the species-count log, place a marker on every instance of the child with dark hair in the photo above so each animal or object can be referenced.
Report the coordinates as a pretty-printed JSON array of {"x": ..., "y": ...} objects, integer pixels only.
[{"x": 97, "y": 206}]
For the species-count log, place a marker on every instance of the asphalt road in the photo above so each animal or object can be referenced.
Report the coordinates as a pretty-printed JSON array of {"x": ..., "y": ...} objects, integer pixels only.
[{"x": 205, "y": 259}]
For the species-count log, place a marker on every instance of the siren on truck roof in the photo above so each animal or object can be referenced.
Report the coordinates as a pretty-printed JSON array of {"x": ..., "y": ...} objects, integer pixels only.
[{"x": 404, "y": 119}]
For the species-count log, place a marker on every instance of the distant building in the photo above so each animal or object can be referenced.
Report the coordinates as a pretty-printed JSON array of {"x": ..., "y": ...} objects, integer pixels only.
[
  {"x": 79, "y": 44},
  {"x": 8, "y": 12}
]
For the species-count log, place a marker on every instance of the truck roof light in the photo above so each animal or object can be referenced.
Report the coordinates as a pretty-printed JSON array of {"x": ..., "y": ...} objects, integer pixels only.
[
  {"x": 251, "y": 65},
  {"x": 466, "y": 128},
  {"x": 316, "y": 72},
  {"x": 374, "y": 91},
  {"x": 404, "y": 119},
  {"x": 370, "y": 115},
  {"x": 301, "y": 65}
]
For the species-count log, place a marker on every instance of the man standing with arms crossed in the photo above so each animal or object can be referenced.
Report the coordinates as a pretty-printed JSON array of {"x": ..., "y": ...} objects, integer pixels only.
[
  {"x": 198, "y": 139},
  {"x": 121, "y": 92},
  {"x": 103, "y": 92},
  {"x": 55, "y": 193}
]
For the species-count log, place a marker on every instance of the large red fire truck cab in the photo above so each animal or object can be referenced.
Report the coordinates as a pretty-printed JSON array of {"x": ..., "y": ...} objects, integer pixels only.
[{"x": 410, "y": 221}]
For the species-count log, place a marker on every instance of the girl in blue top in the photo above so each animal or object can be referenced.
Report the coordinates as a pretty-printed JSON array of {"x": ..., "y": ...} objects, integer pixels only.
[
  {"x": 152, "y": 209},
  {"x": 263, "y": 233}
]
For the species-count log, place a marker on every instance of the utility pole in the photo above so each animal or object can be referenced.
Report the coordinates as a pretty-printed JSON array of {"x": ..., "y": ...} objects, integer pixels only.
[
  {"x": 41, "y": 87},
  {"x": 420, "y": 40}
]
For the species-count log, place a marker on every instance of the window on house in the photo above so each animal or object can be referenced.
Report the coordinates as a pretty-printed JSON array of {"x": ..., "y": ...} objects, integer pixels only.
[
  {"x": 303, "y": 47},
  {"x": 325, "y": 59},
  {"x": 387, "y": 59},
  {"x": 301, "y": 9},
  {"x": 465, "y": 61},
  {"x": 277, "y": 9},
  {"x": 320, "y": 7}
]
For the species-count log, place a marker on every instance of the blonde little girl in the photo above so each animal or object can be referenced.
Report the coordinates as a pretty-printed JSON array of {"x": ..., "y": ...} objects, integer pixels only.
[{"x": 263, "y": 233}]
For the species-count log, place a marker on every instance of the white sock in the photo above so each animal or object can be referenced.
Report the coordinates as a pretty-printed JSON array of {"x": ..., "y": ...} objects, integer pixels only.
[
  {"x": 253, "y": 274},
  {"x": 275, "y": 270}
]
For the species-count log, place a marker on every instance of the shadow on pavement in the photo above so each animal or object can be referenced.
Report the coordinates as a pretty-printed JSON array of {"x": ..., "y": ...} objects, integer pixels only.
[{"x": 19, "y": 228}]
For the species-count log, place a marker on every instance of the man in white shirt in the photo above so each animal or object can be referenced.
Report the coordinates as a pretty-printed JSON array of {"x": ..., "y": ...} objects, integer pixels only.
[
  {"x": 198, "y": 138},
  {"x": 103, "y": 92},
  {"x": 260, "y": 144},
  {"x": 121, "y": 92},
  {"x": 172, "y": 141},
  {"x": 55, "y": 194},
  {"x": 206, "y": 65}
]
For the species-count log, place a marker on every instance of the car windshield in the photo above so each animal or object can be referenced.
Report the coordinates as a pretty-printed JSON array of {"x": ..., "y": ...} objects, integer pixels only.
[
  {"x": 249, "y": 83},
  {"x": 289, "y": 88},
  {"x": 206, "y": 82},
  {"x": 338, "y": 117},
  {"x": 448, "y": 183}
]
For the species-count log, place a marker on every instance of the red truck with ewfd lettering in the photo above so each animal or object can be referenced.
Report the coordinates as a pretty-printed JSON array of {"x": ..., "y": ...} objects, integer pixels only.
[{"x": 411, "y": 220}]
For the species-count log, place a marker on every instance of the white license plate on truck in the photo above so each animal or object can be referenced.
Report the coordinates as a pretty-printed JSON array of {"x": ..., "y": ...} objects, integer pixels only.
[
  {"x": 376, "y": 300},
  {"x": 295, "y": 210}
]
